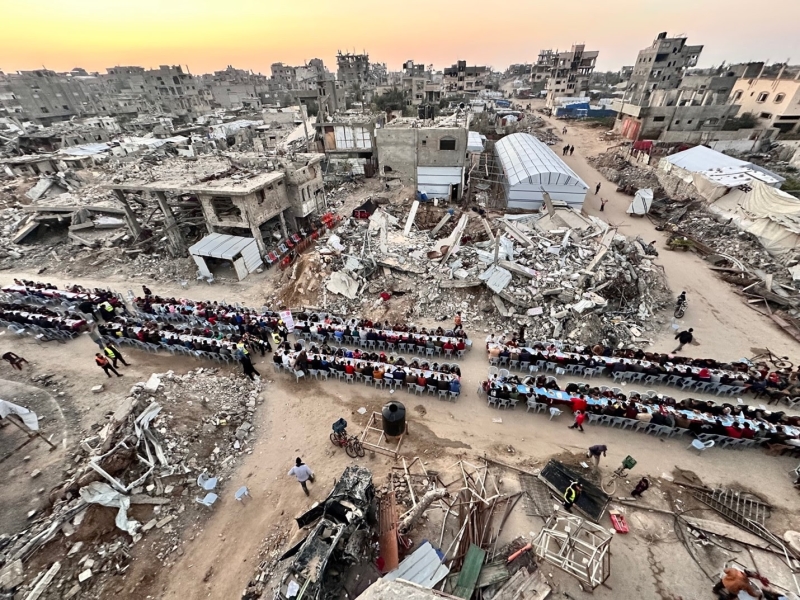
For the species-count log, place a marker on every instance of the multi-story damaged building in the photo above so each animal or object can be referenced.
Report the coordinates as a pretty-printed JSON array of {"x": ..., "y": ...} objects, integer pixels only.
[
  {"x": 569, "y": 73},
  {"x": 663, "y": 97},
  {"x": 283, "y": 75},
  {"x": 460, "y": 79},
  {"x": 431, "y": 159},
  {"x": 353, "y": 69},
  {"x": 237, "y": 88},
  {"x": 418, "y": 85}
]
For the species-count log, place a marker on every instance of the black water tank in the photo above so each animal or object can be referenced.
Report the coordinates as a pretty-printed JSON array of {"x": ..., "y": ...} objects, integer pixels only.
[{"x": 394, "y": 419}]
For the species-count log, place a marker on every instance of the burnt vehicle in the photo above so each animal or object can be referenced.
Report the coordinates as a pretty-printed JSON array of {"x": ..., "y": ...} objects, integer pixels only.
[{"x": 341, "y": 536}]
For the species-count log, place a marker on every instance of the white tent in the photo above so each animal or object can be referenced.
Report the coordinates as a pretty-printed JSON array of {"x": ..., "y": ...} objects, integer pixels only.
[{"x": 531, "y": 168}]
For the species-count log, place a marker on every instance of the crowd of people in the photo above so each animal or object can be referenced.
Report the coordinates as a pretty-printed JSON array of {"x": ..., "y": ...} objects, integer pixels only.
[
  {"x": 41, "y": 316},
  {"x": 758, "y": 379},
  {"x": 740, "y": 421},
  {"x": 378, "y": 366}
]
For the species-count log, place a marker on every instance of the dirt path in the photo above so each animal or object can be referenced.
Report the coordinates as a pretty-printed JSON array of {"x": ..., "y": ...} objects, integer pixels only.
[{"x": 724, "y": 326}]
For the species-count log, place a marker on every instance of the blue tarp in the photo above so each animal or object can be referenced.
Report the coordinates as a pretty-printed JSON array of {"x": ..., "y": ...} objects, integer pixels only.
[{"x": 582, "y": 110}]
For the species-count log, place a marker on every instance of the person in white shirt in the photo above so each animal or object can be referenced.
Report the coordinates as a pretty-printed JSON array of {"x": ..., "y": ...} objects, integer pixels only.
[{"x": 302, "y": 473}]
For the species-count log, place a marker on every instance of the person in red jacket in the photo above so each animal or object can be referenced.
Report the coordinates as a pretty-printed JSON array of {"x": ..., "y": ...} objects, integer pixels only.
[{"x": 580, "y": 417}]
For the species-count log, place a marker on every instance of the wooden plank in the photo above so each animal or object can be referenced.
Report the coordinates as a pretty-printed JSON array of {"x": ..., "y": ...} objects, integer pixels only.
[
  {"x": 470, "y": 571},
  {"x": 44, "y": 582},
  {"x": 80, "y": 240}
]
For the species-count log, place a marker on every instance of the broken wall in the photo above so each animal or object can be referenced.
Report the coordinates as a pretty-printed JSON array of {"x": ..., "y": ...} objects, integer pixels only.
[
  {"x": 430, "y": 151},
  {"x": 254, "y": 209},
  {"x": 396, "y": 153}
]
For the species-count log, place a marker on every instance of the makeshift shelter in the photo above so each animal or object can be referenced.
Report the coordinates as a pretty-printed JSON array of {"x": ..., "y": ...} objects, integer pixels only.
[
  {"x": 640, "y": 205},
  {"x": 475, "y": 142},
  {"x": 713, "y": 173},
  {"x": 531, "y": 168},
  {"x": 241, "y": 251},
  {"x": 365, "y": 210},
  {"x": 773, "y": 216}
]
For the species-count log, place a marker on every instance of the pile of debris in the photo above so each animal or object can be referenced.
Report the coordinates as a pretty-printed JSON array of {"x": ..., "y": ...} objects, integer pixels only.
[
  {"x": 147, "y": 460},
  {"x": 614, "y": 166},
  {"x": 770, "y": 283},
  {"x": 560, "y": 274}
]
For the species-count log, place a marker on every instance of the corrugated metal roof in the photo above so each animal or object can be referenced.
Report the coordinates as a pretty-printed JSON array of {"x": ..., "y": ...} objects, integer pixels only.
[
  {"x": 527, "y": 160},
  {"x": 496, "y": 278},
  {"x": 220, "y": 245},
  {"x": 423, "y": 567}
]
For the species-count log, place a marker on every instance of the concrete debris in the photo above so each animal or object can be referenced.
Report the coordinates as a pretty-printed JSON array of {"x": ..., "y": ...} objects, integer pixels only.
[
  {"x": 149, "y": 453},
  {"x": 573, "y": 276}
]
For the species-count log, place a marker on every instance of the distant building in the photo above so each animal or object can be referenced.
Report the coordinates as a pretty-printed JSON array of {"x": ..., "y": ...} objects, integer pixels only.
[
  {"x": 461, "y": 79},
  {"x": 284, "y": 75},
  {"x": 569, "y": 73},
  {"x": 774, "y": 100},
  {"x": 662, "y": 97},
  {"x": 353, "y": 69}
]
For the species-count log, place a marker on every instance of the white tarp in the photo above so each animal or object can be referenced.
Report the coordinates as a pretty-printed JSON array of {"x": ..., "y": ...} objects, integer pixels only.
[
  {"x": 640, "y": 205},
  {"x": 103, "y": 494},
  {"x": 28, "y": 417},
  {"x": 341, "y": 283}
]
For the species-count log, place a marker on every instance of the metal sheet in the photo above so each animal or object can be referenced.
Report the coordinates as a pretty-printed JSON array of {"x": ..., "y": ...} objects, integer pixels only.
[
  {"x": 423, "y": 567},
  {"x": 496, "y": 278}
]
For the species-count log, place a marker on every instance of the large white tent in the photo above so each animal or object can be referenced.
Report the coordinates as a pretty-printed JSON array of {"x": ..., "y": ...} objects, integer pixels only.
[{"x": 531, "y": 168}]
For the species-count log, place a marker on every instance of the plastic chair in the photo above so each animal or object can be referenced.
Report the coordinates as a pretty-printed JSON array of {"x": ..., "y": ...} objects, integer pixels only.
[
  {"x": 206, "y": 482},
  {"x": 243, "y": 494},
  {"x": 208, "y": 500},
  {"x": 554, "y": 412},
  {"x": 298, "y": 375},
  {"x": 700, "y": 446},
  {"x": 418, "y": 389}
]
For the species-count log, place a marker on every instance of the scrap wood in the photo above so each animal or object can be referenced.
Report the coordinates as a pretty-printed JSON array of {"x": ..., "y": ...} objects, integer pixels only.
[
  {"x": 44, "y": 582},
  {"x": 524, "y": 586},
  {"x": 470, "y": 571},
  {"x": 415, "y": 513}
]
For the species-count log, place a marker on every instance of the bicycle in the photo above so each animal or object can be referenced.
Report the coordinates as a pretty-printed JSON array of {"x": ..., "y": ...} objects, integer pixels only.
[
  {"x": 609, "y": 484},
  {"x": 766, "y": 355},
  {"x": 351, "y": 444}
]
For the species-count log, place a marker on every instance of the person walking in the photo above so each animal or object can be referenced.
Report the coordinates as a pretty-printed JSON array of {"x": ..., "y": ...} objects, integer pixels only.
[
  {"x": 457, "y": 321},
  {"x": 94, "y": 333},
  {"x": 247, "y": 366},
  {"x": 564, "y": 131},
  {"x": 565, "y": 150},
  {"x": 603, "y": 203},
  {"x": 595, "y": 452},
  {"x": 106, "y": 365},
  {"x": 580, "y": 417},
  {"x": 684, "y": 337},
  {"x": 571, "y": 150},
  {"x": 597, "y": 188},
  {"x": 571, "y": 495},
  {"x": 114, "y": 354},
  {"x": 14, "y": 360},
  {"x": 302, "y": 473},
  {"x": 641, "y": 487}
]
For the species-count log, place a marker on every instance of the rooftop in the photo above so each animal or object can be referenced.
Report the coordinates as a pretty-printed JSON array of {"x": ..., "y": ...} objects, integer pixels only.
[
  {"x": 231, "y": 186},
  {"x": 527, "y": 160}
]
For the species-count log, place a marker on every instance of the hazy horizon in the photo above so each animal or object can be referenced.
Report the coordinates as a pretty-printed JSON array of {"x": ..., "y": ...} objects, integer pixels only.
[{"x": 208, "y": 36}]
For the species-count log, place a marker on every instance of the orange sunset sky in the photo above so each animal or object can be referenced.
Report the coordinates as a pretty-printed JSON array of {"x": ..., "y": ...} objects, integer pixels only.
[{"x": 251, "y": 34}]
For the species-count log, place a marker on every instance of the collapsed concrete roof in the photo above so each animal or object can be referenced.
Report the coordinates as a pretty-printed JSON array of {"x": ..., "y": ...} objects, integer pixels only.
[{"x": 230, "y": 186}]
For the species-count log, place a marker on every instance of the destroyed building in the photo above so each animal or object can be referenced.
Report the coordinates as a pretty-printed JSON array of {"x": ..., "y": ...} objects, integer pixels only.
[
  {"x": 569, "y": 73},
  {"x": 352, "y": 69},
  {"x": 430, "y": 159},
  {"x": 773, "y": 99},
  {"x": 234, "y": 203},
  {"x": 664, "y": 101},
  {"x": 348, "y": 143},
  {"x": 460, "y": 79}
]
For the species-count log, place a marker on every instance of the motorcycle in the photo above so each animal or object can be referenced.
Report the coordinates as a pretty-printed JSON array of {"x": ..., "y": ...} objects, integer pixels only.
[{"x": 680, "y": 309}]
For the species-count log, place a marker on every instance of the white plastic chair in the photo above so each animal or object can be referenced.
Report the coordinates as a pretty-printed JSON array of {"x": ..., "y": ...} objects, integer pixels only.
[
  {"x": 554, "y": 412},
  {"x": 243, "y": 494},
  {"x": 206, "y": 482},
  {"x": 208, "y": 500},
  {"x": 700, "y": 446}
]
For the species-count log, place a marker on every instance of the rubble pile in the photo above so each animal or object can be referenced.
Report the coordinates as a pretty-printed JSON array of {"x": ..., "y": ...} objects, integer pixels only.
[
  {"x": 629, "y": 178},
  {"x": 143, "y": 464},
  {"x": 580, "y": 280}
]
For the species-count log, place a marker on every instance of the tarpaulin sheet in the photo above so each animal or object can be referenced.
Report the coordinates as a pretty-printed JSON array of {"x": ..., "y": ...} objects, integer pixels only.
[
  {"x": 101, "y": 493},
  {"x": 28, "y": 417}
]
